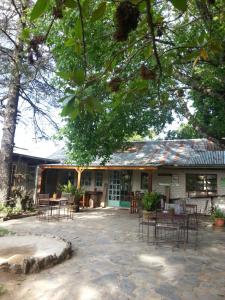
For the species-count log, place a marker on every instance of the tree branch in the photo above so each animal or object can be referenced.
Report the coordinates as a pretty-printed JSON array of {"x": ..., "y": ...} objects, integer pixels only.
[
  {"x": 83, "y": 37},
  {"x": 151, "y": 29},
  {"x": 9, "y": 37}
]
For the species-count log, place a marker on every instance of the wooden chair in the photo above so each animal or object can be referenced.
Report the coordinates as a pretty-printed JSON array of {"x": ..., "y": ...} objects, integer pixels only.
[{"x": 43, "y": 206}]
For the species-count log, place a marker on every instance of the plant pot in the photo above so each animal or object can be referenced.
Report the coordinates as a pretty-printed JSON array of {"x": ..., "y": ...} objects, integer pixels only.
[
  {"x": 219, "y": 222},
  {"x": 148, "y": 214}
]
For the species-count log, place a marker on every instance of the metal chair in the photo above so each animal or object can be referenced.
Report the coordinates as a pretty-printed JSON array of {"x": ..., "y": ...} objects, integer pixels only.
[
  {"x": 171, "y": 229},
  {"x": 193, "y": 222}
]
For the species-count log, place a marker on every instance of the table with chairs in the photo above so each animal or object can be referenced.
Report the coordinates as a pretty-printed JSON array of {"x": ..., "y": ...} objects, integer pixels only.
[
  {"x": 174, "y": 224},
  {"x": 50, "y": 208}
]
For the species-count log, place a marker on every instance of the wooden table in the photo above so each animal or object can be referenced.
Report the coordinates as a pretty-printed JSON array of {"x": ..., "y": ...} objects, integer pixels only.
[{"x": 57, "y": 204}]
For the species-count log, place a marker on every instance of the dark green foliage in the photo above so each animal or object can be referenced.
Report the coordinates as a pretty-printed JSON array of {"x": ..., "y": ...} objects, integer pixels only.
[
  {"x": 218, "y": 214},
  {"x": 184, "y": 132},
  {"x": 169, "y": 58},
  {"x": 151, "y": 201}
]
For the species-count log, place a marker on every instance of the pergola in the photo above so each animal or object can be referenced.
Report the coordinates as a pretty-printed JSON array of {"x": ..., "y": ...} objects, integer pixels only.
[{"x": 80, "y": 169}]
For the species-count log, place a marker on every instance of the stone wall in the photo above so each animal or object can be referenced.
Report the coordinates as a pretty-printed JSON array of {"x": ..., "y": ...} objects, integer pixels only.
[{"x": 34, "y": 264}]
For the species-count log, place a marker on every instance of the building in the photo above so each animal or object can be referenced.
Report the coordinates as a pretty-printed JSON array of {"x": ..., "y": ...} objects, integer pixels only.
[
  {"x": 24, "y": 170},
  {"x": 175, "y": 168}
]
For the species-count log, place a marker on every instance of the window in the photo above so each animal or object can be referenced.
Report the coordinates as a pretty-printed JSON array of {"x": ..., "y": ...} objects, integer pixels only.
[
  {"x": 200, "y": 185},
  {"x": 86, "y": 178},
  {"x": 144, "y": 181},
  {"x": 98, "y": 178}
]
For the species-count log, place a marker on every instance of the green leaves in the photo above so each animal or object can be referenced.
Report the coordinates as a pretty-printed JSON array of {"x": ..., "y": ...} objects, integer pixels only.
[
  {"x": 69, "y": 106},
  {"x": 180, "y": 4},
  {"x": 77, "y": 76},
  {"x": 39, "y": 9},
  {"x": 25, "y": 34},
  {"x": 70, "y": 3},
  {"x": 99, "y": 12},
  {"x": 73, "y": 106}
]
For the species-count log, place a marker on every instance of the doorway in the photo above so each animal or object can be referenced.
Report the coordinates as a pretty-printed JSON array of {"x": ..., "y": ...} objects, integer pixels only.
[{"x": 119, "y": 193}]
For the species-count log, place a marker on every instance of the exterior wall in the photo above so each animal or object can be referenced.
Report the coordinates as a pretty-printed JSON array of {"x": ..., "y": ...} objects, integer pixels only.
[
  {"x": 24, "y": 175},
  {"x": 93, "y": 186},
  {"x": 178, "y": 188}
]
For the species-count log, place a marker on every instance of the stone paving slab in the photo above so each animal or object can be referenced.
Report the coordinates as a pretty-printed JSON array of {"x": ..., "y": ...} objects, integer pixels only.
[{"x": 111, "y": 262}]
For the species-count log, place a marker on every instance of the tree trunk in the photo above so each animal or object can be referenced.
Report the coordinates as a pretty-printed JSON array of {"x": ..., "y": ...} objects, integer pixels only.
[{"x": 9, "y": 127}]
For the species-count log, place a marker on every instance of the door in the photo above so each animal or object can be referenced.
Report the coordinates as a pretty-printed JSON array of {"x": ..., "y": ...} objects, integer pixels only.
[
  {"x": 119, "y": 193},
  {"x": 125, "y": 194},
  {"x": 114, "y": 189}
]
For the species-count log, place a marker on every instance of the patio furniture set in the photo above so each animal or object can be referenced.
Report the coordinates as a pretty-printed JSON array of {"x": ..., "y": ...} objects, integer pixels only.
[
  {"x": 55, "y": 209},
  {"x": 175, "y": 227}
]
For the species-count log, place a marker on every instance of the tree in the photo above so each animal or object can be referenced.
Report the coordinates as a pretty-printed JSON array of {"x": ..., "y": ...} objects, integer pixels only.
[
  {"x": 184, "y": 132},
  {"x": 23, "y": 81},
  {"x": 134, "y": 65}
]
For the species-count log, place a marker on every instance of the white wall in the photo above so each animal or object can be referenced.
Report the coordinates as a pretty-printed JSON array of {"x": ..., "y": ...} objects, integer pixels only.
[{"x": 177, "y": 189}]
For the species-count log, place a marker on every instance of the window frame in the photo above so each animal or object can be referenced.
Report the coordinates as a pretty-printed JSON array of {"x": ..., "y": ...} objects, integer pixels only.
[
  {"x": 204, "y": 182},
  {"x": 97, "y": 180},
  {"x": 86, "y": 178}
]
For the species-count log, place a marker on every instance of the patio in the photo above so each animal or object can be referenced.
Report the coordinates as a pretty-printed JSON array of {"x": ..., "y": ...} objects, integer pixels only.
[{"x": 110, "y": 262}]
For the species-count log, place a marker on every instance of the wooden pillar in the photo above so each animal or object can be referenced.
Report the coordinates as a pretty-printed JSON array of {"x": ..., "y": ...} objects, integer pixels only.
[
  {"x": 150, "y": 182},
  {"x": 79, "y": 171},
  {"x": 38, "y": 182}
]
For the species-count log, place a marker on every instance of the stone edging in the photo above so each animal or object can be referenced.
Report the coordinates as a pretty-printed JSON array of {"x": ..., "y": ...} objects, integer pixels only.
[{"x": 34, "y": 265}]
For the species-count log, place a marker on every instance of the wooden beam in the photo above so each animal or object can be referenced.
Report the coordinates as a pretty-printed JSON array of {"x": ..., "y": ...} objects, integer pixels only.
[{"x": 71, "y": 167}]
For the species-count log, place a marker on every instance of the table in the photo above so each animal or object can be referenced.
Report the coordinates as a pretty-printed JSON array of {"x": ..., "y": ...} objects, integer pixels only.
[{"x": 57, "y": 204}]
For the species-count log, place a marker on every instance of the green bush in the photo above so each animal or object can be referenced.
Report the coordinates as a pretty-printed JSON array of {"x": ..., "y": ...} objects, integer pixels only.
[
  {"x": 218, "y": 214},
  {"x": 9, "y": 210},
  {"x": 151, "y": 201},
  {"x": 71, "y": 189}
]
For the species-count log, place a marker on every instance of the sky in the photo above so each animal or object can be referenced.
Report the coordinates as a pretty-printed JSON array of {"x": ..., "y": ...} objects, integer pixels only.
[
  {"x": 25, "y": 139},
  {"x": 26, "y": 143}
]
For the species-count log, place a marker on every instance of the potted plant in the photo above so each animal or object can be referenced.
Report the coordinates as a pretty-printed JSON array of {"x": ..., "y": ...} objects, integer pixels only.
[
  {"x": 218, "y": 217},
  {"x": 75, "y": 193},
  {"x": 150, "y": 202}
]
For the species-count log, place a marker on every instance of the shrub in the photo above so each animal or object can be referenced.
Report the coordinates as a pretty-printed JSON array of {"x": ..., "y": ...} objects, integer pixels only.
[
  {"x": 218, "y": 214},
  {"x": 151, "y": 201}
]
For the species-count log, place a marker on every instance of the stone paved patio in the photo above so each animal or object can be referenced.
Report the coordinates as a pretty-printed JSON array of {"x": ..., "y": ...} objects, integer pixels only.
[{"x": 110, "y": 262}]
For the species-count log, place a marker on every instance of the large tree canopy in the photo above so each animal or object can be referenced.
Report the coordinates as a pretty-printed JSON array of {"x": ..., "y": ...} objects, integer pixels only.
[{"x": 128, "y": 66}]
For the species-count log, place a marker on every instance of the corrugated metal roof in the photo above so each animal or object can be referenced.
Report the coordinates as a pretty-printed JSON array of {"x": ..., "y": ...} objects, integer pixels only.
[{"x": 195, "y": 152}]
